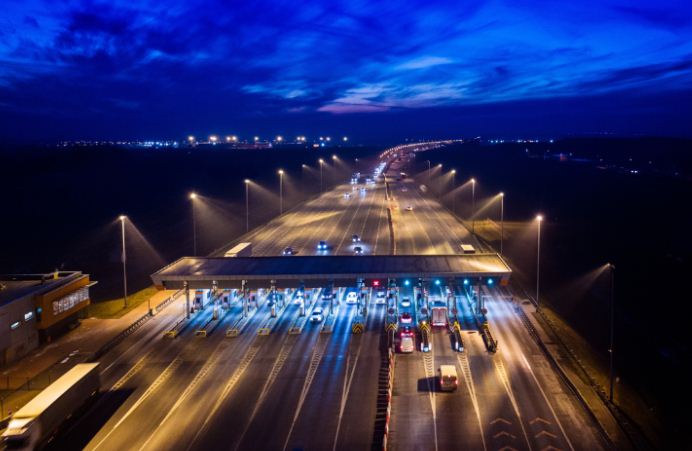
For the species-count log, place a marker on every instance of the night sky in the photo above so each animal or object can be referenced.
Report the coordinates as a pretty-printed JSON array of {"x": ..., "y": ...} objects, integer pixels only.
[{"x": 374, "y": 70}]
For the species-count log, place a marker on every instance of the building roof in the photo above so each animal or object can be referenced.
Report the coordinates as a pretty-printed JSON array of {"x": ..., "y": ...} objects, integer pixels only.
[
  {"x": 345, "y": 269},
  {"x": 17, "y": 286}
]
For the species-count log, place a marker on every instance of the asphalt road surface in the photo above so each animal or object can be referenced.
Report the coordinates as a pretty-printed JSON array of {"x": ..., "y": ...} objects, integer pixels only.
[{"x": 317, "y": 390}]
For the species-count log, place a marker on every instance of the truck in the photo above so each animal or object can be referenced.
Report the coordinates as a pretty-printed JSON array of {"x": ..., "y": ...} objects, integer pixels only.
[
  {"x": 467, "y": 249},
  {"x": 438, "y": 311},
  {"x": 240, "y": 250},
  {"x": 35, "y": 423}
]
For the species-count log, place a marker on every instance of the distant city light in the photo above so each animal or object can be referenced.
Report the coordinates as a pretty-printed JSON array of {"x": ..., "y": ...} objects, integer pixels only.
[
  {"x": 279, "y": 138},
  {"x": 213, "y": 138},
  {"x": 256, "y": 138},
  {"x": 345, "y": 138},
  {"x": 191, "y": 138}
]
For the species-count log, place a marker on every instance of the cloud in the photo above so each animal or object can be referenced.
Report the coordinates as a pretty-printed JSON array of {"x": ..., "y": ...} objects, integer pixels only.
[
  {"x": 199, "y": 63},
  {"x": 424, "y": 62}
]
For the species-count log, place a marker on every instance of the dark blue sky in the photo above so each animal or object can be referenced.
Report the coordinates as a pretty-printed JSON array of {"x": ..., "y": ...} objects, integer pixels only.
[{"x": 373, "y": 70}]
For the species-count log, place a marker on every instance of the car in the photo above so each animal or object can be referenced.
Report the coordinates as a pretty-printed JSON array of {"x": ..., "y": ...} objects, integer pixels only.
[
  {"x": 405, "y": 318},
  {"x": 355, "y": 238},
  {"x": 404, "y": 189},
  {"x": 288, "y": 250},
  {"x": 327, "y": 295},
  {"x": 358, "y": 250},
  {"x": 351, "y": 297},
  {"x": 409, "y": 208},
  {"x": 406, "y": 302},
  {"x": 316, "y": 316},
  {"x": 322, "y": 246},
  {"x": 380, "y": 297},
  {"x": 347, "y": 195},
  {"x": 298, "y": 299}
]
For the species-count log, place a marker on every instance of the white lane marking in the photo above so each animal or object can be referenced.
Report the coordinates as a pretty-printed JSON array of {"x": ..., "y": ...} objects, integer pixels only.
[
  {"x": 273, "y": 373},
  {"x": 470, "y": 385},
  {"x": 244, "y": 364},
  {"x": 213, "y": 359},
  {"x": 348, "y": 379},
  {"x": 502, "y": 375},
  {"x": 429, "y": 366},
  {"x": 546, "y": 401},
  {"x": 156, "y": 384},
  {"x": 317, "y": 354}
]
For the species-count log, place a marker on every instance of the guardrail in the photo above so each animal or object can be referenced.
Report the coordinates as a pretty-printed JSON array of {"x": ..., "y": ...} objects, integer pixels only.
[
  {"x": 483, "y": 327},
  {"x": 456, "y": 333},
  {"x": 488, "y": 339},
  {"x": 385, "y": 385}
]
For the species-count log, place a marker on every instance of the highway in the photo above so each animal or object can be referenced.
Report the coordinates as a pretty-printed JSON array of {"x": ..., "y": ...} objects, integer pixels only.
[{"x": 319, "y": 389}]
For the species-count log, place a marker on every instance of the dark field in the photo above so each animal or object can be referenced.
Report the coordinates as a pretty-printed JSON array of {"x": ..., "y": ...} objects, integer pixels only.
[
  {"x": 60, "y": 209},
  {"x": 597, "y": 211}
]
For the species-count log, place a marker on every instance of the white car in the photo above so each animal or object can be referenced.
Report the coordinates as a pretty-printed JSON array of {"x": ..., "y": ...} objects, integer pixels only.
[
  {"x": 409, "y": 208},
  {"x": 316, "y": 315},
  {"x": 406, "y": 302},
  {"x": 351, "y": 297},
  {"x": 380, "y": 298}
]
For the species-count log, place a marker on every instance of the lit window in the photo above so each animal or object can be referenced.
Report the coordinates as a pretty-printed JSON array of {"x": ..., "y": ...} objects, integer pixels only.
[
  {"x": 28, "y": 316},
  {"x": 14, "y": 325}
]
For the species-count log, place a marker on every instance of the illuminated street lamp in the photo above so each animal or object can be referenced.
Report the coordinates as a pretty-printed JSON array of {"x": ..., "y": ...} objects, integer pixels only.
[
  {"x": 191, "y": 139},
  {"x": 454, "y": 196},
  {"x": 193, "y": 196},
  {"x": 345, "y": 138},
  {"x": 539, "y": 219},
  {"x": 281, "y": 191},
  {"x": 473, "y": 206},
  {"x": 247, "y": 205},
  {"x": 122, "y": 219},
  {"x": 256, "y": 138},
  {"x": 279, "y": 138},
  {"x": 321, "y": 179},
  {"x": 502, "y": 220}
]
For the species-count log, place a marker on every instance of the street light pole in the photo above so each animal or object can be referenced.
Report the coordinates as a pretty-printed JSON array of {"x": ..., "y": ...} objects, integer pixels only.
[
  {"x": 502, "y": 220},
  {"x": 247, "y": 206},
  {"x": 321, "y": 179},
  {"x": 539, "y": 218},
  {"x": 429, "y": 177},
  {"x": 193, "y": 196},
  {"x": 612, "y": 329},
  {"x": 473, "y": 206},
  {"x": 281, "y": 191},
  {"x": 124, "y": 257},
  {"x": 454, "y": 196}
]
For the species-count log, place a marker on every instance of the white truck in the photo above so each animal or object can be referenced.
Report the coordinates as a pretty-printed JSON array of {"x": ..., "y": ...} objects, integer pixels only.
[
  {"x": 240, "y": 250},
  {"x": 438, "y": 310},
  {"x": 36, "y": 422}
]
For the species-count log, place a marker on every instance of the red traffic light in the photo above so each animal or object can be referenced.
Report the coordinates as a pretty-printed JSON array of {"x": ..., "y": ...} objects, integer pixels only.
[{"x": 375, "y": 283}]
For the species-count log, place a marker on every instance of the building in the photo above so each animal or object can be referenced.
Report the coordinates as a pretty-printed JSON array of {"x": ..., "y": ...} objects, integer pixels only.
[{"x": 36, "y": 307}]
